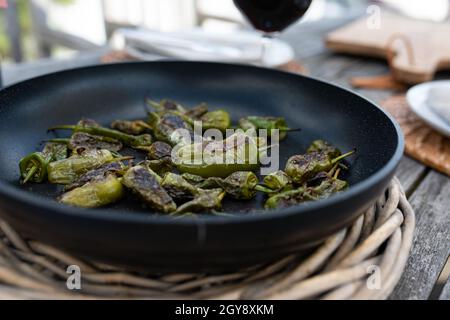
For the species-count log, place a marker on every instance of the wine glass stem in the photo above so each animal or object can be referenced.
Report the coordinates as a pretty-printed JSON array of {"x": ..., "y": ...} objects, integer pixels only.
[{"x": 266, "y": 41}]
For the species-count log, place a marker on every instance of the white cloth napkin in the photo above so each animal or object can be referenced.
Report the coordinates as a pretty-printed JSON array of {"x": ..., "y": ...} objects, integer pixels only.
[
  {"x": 239, "y": 46},
  {"x": 439, "y": 101}
]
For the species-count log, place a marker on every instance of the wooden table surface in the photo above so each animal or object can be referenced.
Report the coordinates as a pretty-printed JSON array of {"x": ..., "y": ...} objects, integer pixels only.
[{"x": 426, "y": 275}]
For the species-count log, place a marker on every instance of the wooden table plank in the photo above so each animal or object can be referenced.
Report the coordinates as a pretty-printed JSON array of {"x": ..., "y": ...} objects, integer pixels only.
[
  {"x": 411, "y": 173},
  {"x": 431, "y": 245},
  {"x": 445, "y": 295}
]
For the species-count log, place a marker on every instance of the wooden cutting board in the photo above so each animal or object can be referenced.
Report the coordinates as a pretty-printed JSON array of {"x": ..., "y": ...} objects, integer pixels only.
[{"x": 419, "y": 48}]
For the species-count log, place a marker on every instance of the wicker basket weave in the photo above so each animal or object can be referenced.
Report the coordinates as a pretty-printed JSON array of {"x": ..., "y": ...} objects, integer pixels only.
[{"x": 364, "y": 261}]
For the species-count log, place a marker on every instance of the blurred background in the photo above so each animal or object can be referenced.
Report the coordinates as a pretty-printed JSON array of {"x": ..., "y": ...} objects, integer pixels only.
[{"x": 34, "y": 29}]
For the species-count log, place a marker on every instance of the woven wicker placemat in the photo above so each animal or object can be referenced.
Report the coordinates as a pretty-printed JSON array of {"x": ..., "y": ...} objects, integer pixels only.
[
  {"x": 364, "y": 261},
  {"x": 421, "y": 141}
]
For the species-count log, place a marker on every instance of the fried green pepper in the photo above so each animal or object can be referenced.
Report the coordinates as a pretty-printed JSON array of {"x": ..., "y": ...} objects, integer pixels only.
[
  {"x": 159, "y": 150},
  {"x": 239, "y": 185},
  {"x": 325, "y": 147},
  {"x": 86, "y": 141},
  {"x": 219, "y": 119},
  {"x": 88, "y": 123},
  {"x": 164, "y": 106},
  {"x": 167, "y": 106},
  {"x": 239, "y": 152},
  {"x": 108, "y": 168},
  {"x": 206, "y": 201},
  {"x": 277, "y": 181},
  {"x": 197, "y": 112},
  {"x": 134, "y": 128},
  {"x": 34, "y": 166},
  {"x": 94, "y": 194},
  {"x": 129, "y": 140},
  {"x": 287, "y": 199},
  {"x": 147, "y": 186},
  {"x": 160, "y": 167},
  {"x": 268, "y": 123},
  {"x": 193, "y": 179},
  {"x": 300, "y": 168},
  {"x": 328, "y": 187},
  {"x": 178, "y": 188},
  {"x": 167, "y": 128},
  {"x": 66, "y": 171}
]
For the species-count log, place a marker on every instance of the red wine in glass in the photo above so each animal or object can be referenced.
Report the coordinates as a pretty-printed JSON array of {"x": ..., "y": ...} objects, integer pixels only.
[{"x": 272, "y": 16}]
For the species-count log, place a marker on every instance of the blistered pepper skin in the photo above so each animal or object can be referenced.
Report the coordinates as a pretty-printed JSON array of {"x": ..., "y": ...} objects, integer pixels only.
[
  {"x": 277, "y": 180},
  {"x": 219, "y": 119},
  {"x": 324, "y": 147},
  {"x": 146, "y": 185},
  {"x": 134, "y": 128},
  {"x": 68, "y": 170},
  {"x": 239, "y": 152},
  {"x": 206, "y": 201},
  {"x": 95, "y": 194},
  {"x": 265, "y": 123},
  {"x": 239, "y": 185}
]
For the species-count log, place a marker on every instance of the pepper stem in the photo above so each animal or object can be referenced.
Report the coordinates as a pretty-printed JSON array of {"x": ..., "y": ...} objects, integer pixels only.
[
  {"x": 342, "y": 157},
  {"x": 66, "y": 127},
  {"x": 289, "y": 129},
  {"x": 336, "y": 174},
  {"x": 30, "y": 174},
  {"x": 263, "y": 189},
  {"x": 333, "y": 170}
]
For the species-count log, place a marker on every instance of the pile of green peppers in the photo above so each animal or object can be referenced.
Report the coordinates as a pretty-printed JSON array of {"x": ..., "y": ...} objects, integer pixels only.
[{"x": 180, "y": 176}]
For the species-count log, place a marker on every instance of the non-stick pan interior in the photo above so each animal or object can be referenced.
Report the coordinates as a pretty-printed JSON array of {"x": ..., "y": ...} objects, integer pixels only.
[{"x": 112, "y": 92}]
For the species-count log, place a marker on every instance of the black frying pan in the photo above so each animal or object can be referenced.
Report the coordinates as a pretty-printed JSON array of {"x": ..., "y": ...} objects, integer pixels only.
[{"x": 129, "y": 235}]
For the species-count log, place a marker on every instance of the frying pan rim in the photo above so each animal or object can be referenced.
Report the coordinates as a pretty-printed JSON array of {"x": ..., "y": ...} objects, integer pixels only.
[{"x": 9, "y": 192}]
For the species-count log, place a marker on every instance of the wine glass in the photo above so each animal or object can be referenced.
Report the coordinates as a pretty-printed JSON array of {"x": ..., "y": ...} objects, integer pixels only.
[{"x": 272, "y": 16}]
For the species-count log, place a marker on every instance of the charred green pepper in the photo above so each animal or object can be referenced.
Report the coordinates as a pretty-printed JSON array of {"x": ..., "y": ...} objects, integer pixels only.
[
  {"x": 169, "y": 128},
  {"x": 268, "y": 123},
  {"x": 277, "y": 181},
  {"x": 324, "y": 147},
  {"x": 160, "y": 167},
  {"x": 134, "y": 128},
  {"x": 206, "y": 201},
  {"x": 94, "y": 194},
  {"x": 287, "y": 198},
  {"x": 193, "y": 179},
  {"x": 328, "y": 187},
  {"x": 239, "y": 152},
  {"x": 167, "y": 106},
  {"x": 219, "y": 119},
  {"x": 147, "y": 186},
  {"x": 158, "y": 150},
  {"x": 239, "y": 185},
  {"x": 98, "y": 173},
  {"x": 34, "y": 166},
  {"x": 300, "y": 168},
  {"x": 66, "y": 171},
  {"x": 86, "y": 141},
  {"x": 178, "y": 188},
  {"x": 164, "y": 106}
]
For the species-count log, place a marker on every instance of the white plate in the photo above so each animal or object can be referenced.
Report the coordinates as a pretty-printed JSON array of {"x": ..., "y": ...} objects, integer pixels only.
[{"x": 417, "y": 98}]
